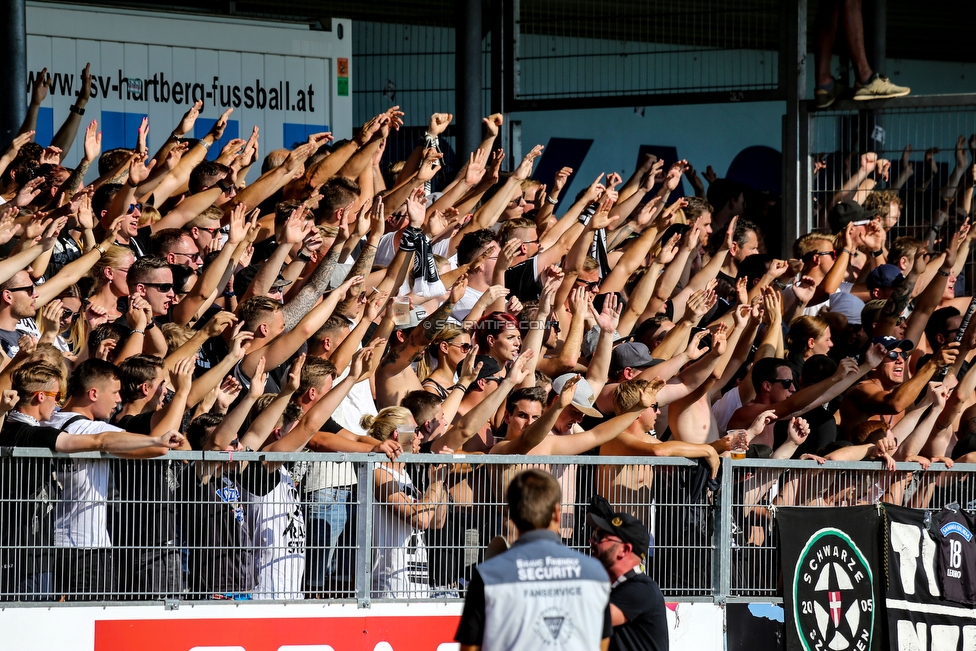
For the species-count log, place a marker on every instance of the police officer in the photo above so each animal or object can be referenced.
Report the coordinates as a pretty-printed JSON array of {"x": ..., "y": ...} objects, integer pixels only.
[
  {"x": 620, "y": 542},
  {"x": 539, "y": 593}
]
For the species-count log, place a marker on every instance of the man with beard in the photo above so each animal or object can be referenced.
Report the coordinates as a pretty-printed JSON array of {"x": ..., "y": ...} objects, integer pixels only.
[{"x": 620, "y": 542}]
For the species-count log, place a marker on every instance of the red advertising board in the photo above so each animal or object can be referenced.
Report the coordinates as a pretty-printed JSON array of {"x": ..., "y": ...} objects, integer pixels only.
[{"x": 277, "y": 634}]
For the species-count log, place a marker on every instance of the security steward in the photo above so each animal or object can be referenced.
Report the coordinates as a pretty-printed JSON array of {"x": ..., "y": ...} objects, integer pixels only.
[
  {"x": 620, "y": 542},
  {"x": 539, "y": 594}
]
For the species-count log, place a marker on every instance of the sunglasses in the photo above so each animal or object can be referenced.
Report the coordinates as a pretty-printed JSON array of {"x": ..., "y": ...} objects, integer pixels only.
[
  {"x": 212, "y": 231},
  {"x": 68, "y": 315},
  {"x": 589, "y": 285},
  {"x": 816, "y": 255},
  {"x": 27, "y": 288},
  {"x": 190, "y": 256},
  {"x": 53, "y": 394},
  {"x": 785, "y": 383},
  {"x": 895, "y": 354},
  {"x": 163, "y": 287},
  {"x": 464, "y": 347},
  {"x": 599, "y": 535},
  {"x": 554, "y": 325}
]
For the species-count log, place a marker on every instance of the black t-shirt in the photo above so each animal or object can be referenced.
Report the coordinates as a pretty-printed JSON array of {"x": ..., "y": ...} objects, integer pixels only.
[
  {"x": 957, "y": 555},
  {"x": 823, "y": 429},
  {"x": 139, "y": 243},
  {"x": 8, "y": 341},
  {"x": 521, "y": 281},
  {"x": 217, "y": 531},
  {"x": 639, "y": 598},
  {"x": 26, "y": 491}
]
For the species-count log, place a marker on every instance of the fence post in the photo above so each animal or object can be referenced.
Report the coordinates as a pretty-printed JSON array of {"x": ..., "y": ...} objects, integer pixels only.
[
  {"x": 722, "y": 537},
  {"x": 364, "y": 534}
]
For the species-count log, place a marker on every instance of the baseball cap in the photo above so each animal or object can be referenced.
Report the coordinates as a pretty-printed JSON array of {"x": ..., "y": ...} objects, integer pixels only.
[
  {"x": 846, "y": 212},
  {"x": 489, "y": 368},
  {"x": 848, "y": 305},
  {"x": 583, "y": 398},
  {"x": 883, "y": 276},
  {"x": 631, "y": 354},
  {"x": 622, "y": 525},
  {"x": 890, "y": 343}
]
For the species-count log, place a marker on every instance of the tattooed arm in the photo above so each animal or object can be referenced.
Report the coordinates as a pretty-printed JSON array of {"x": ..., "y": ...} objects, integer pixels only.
[{"x": 314, "y": 287}]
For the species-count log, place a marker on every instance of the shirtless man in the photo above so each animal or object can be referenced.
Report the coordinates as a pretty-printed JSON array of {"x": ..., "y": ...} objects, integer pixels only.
[
  {"x": 888, "y": 392},
  {"x": 775, "y": 390}
]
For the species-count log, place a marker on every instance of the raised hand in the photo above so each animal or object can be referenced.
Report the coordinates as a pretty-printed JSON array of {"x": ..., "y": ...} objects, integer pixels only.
[
  {"x": 294, "y": 378},
  {"x": 39, "y": 89},
  {"x": 93, "y": 142},
  {"x": 524, "y": 169},
  {"x": 138, "y": 170},
  {"x": 760, "y": 423},
  {"x": 798, "y": 430},
  {"x": 648, "y": 395},
  {"x": 429, "y": 165},
  {"x": 493, "y": 123},
  {"x": 438, "y": 123},
  {"x": 569, "y": 391},
  {"x": 519, "y": 368},
  {"x": 182, "y": 375},
  {"x": 141, "y": 136},
  {"x": 227, "y": 393},
  {"x": 609, "y": 316},
  {"x": 189, "y": 119},
  {"x": 476, "y": 167}
]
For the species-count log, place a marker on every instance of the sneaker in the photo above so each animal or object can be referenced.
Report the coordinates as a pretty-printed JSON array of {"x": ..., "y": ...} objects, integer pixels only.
[
  {"x": 825, "y": 97},
  {"x": 879, "y": 87}
]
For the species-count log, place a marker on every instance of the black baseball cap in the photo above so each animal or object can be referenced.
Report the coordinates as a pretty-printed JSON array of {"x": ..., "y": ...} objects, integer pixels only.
[
  {"x": 622, "y": 525},
  {"x": 890, "y": 343},
  {"x": 846, "y": 212}
]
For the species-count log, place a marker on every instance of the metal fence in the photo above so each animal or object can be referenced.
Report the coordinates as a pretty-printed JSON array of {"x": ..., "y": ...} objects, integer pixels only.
[
  {"x": 922, "y": 176},
  {"x": 596, "y": 54},
  {"x": 357, "y": 527}
]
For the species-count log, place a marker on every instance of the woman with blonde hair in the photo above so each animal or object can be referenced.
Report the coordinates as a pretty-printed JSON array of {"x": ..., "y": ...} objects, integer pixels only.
[
  {"x": 401, "y": 513},
  {"x": 809, "y": 336},
  {"x": 446, "y": 350},
  {"x": 110, "y": 284}
]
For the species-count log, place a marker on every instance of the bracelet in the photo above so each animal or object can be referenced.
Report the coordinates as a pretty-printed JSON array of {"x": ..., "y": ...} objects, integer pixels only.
[
  {"x": 150, "y": 325},
  {"x": 935, "y": 229},
  {"x": 460, "y": 386},
  {"x": 850, "y": 253},
  {"x": 77, "y": 110},
  {"x": 944, "y": 274},
  {"x": 304, "y": 257},
  {"x": 205, "y": 144},
  {"x": 228, "y": 294},
  {"x": 128, "y": 182},
  {"x": 141, "y": 332},
  {"x": 100, "y": 249},
  {"x": 551, "y": 201},
  {"x": 878, "y": 253}
]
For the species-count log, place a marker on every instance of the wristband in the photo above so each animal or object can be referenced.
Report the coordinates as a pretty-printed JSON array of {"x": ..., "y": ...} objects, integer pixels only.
[
  {"x": 100, "y": 249},
  {"x": 77, "y": 110},
  {"x": 205, "y": 144},
  {"x": 228, "y": 294},
  {"x": 935, "y": 229},
  {"x": 460, "y": 386},
  {"x": 304, "y": 257},
  {"x": 150, "y": 325},
  {"x": 878, "y": 253},
  {"x": 141, "y": 332},
  {"x": 850, "y": 253},
  {"x": 944, "y": 274},
  {"x": 551, "y": 201}
]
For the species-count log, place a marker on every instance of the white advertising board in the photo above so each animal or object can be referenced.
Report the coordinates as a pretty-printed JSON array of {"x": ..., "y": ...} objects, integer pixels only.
[{"x": 286, "y": 79}]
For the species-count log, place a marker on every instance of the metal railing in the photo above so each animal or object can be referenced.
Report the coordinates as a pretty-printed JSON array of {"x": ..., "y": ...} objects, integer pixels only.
[{"x": 195, "y": 526}]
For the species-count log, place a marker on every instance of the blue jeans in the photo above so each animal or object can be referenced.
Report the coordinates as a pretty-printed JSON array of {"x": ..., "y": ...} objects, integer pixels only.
[{"x": 328, "y": 513}]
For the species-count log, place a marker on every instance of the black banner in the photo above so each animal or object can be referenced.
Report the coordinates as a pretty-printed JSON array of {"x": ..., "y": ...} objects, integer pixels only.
[
  {"x": 831, "y": 585},
  {"x": 929, "y": 553}
]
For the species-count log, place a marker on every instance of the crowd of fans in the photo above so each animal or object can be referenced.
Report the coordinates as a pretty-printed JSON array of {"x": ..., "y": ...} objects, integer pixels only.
[{"x": 322, "y": 303}]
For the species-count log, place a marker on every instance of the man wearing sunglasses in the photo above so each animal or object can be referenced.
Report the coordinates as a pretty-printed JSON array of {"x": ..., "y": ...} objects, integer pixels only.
[
  {"x": 776, "y": 390},
  {"x": 890, "y": 390},
  {"x": 18, "y": 300},
  {"x": 152, "y": 279},
  {"x": 176, "y": 247}
]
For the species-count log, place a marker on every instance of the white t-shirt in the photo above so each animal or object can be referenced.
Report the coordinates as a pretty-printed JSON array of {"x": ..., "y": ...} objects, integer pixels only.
[
  {"x": 463, "y": 307},
  {"x": 81, "y": 516},
  {"x": 724, "y": 407},
  {"x": 278, "y": 533},
  {"x": 814, "y": 310}
]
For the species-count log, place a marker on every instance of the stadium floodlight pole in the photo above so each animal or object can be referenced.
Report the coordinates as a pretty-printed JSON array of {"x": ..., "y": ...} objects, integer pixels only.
[
  {"x": 13, "y": 72},
  {"x": 468, "y": 105}
]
